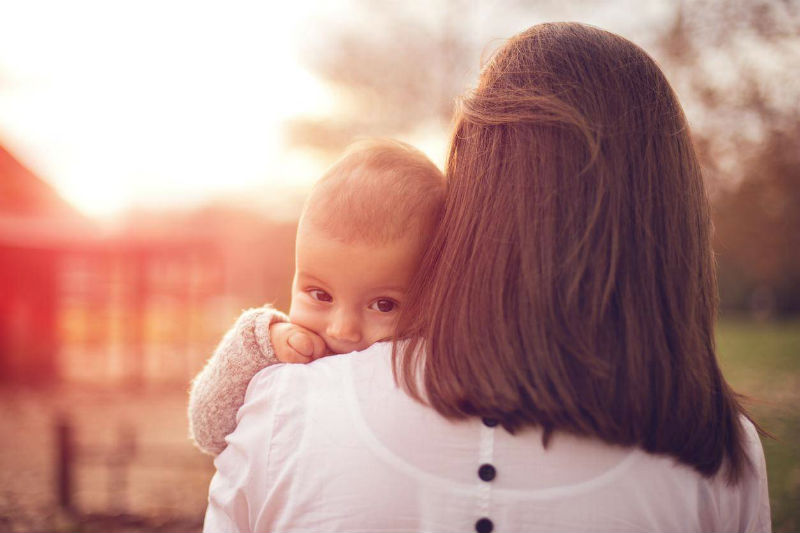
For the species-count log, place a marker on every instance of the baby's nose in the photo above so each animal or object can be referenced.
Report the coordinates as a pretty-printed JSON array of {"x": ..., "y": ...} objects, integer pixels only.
[{"x": 345, "y": 327}]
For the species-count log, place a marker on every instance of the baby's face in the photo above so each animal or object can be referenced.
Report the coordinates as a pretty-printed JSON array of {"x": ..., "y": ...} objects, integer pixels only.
[{"x": 350, "y": 294}]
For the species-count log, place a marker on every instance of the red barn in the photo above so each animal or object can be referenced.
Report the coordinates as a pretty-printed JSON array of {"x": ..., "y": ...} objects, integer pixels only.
[
  {"x": 35, "y": 225},
  {"x": 76, "y": 304}
]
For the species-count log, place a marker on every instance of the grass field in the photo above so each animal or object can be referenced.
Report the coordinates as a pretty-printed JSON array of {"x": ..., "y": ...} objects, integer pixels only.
[{"x": 762, "y": 361}]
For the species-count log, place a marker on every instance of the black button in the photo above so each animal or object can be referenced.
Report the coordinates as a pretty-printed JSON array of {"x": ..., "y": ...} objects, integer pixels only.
[
  {"x": 484, "y": 525},
  {"x": 490, "y": 422},
  {"x": 487, "y": 472}
]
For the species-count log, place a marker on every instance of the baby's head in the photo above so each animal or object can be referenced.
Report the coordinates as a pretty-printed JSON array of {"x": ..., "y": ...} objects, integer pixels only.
[{"x": 360, "y": 239}]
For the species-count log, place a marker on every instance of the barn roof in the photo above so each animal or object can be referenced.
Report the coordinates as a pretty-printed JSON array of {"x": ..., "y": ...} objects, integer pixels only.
[{"x": 32, "y": 213}]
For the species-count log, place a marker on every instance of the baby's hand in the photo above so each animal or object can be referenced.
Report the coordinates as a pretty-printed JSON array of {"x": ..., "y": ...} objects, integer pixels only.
[{"x": 296, "y": 344}]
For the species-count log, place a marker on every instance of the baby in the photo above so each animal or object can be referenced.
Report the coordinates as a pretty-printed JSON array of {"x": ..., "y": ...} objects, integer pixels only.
[{"x": 360, "y": 239}]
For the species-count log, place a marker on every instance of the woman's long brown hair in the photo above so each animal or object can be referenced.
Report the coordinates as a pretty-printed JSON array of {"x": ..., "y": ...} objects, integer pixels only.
[{"x": 571, "y": 284}]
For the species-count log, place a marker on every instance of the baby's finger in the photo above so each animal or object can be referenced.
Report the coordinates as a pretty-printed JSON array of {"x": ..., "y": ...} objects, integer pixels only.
[
  {"x": 286, "y": 354},
  {"x": 302, "y": 344},
  {"x": 320, "y": 348}
]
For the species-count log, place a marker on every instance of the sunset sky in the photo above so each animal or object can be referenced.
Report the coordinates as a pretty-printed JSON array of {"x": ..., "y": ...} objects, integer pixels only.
[
  {"x": 125, "y": 103},
  {"x": 164, "y": 103}
]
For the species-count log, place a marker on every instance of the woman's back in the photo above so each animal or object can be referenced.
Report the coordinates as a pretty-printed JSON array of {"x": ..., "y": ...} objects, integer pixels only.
[
  {"x": 569, "y": 290},
  {"x": 336, "y": 445},
  {"x": 571, "y": 283}
]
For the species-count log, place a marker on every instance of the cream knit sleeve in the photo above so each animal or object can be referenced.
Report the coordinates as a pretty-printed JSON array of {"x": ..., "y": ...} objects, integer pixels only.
[{"x": 217, "y": 392}]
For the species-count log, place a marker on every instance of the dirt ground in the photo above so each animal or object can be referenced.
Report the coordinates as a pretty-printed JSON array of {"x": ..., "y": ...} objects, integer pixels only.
[{"x": 134, "y": 467}]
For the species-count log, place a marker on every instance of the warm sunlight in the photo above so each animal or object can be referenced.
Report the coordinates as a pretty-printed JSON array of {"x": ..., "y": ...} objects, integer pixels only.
[
  {"x": 125, "y": 104},
  {"x": 155, "y": 160}
]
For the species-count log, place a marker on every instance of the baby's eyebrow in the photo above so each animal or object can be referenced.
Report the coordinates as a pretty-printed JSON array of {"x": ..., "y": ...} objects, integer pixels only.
[
  {"x": 393, "y": 288},
  {"x": 308, "y": 276}
]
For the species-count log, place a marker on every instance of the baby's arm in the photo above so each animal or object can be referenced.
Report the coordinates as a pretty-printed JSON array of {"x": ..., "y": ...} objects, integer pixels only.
[
  {"x": 259, "y": 338},
  {"x": 218, "y": 390}
]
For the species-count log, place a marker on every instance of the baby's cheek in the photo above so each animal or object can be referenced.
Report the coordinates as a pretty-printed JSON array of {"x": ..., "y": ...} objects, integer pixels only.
[
  {"x": 382, "y": 330},
  {"x": 298, "y": 311},
  {"x": 302, "y": 315}
]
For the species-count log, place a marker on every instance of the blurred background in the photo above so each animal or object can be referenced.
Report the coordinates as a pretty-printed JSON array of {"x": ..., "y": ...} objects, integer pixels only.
[{"x": 154, "y": 157}]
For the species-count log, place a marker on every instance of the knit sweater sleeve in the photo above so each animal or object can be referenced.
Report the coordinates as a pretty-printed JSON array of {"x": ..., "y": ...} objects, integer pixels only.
[{"x": 218, "y": 391}]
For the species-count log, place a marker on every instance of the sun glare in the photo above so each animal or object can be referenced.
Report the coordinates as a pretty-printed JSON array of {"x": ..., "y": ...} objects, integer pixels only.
[{"x": 123, "y": 104}]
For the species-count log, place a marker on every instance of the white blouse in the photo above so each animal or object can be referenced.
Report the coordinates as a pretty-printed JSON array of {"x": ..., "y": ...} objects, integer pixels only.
[{"x": 335, "y": 445}]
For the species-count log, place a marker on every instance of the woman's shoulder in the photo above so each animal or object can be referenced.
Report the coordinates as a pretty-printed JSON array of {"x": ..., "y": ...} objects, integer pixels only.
[
  {"x": 755, "y": 471},
  {"x": 751, "y": 437},
  {"x": 334, "y": 371},
  {"x": 375, "y": 356},
  {"x": 740, "y": 506},
  {"x": 312, "y": 401},
  {"x": 746, "y": 502}
]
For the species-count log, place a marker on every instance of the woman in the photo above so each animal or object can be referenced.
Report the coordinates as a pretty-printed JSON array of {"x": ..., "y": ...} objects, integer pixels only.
[{"x": 560, "y": 371}]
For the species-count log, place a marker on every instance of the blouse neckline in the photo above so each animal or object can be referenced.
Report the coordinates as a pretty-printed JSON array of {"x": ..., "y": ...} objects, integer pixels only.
[{"x": 371, "y": 440}]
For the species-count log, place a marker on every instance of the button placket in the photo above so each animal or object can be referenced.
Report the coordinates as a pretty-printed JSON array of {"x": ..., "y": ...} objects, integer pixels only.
[{"x": 486, "y": 473}]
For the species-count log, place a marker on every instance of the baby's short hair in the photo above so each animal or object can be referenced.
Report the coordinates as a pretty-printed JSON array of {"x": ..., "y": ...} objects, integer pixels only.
[{"x": 378, "y": 191}]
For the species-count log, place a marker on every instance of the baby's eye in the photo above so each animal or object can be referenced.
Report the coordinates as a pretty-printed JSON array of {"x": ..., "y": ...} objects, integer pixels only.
[
  {"x": 320, "y": 295},
  {"x": 384, "y": 305}
]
